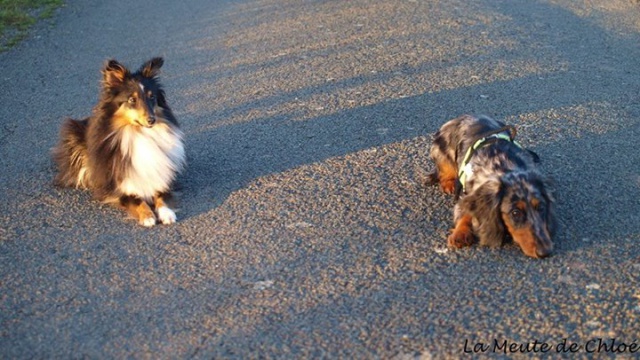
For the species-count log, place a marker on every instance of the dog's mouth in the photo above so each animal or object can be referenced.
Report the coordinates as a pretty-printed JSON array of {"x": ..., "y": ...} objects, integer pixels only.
[
  {"x": 146, "y": 124},
  {"x": 533, "y": 241}
]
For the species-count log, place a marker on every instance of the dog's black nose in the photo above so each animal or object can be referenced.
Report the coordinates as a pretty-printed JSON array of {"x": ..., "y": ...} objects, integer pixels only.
[{"x": 543, "y": 253}]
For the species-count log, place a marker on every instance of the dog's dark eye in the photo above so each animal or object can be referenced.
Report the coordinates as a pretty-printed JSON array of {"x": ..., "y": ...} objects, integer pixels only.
[
  {"x": 517, "y": 214},
  {"x": 132, "y": 100},
  {"x": 151, "y": 96}
]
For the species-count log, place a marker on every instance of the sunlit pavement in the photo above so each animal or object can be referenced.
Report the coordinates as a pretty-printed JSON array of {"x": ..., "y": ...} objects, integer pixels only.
[{"x": 305, "y": 229}]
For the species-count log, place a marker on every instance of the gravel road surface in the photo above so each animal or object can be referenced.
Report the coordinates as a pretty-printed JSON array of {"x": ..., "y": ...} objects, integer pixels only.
[{"x": 305, "y": 230}]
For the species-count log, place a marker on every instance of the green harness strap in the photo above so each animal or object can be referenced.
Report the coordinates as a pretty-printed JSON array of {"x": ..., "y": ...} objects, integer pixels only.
[{"x": 465, "y": 167}]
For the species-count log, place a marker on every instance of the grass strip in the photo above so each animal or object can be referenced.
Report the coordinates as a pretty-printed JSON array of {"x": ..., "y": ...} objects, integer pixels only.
[{"x": 17, "y": 16}]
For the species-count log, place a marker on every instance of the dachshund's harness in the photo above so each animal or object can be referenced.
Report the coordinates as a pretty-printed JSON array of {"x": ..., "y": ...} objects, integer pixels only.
[{"x": 490, "y": 138}]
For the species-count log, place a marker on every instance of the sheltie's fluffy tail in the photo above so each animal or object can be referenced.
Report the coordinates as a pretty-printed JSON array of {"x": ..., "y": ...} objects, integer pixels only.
[{"x": 70, "y": 155}]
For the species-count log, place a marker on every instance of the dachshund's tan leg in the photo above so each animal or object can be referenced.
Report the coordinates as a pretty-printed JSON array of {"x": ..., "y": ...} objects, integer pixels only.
[
  {"x": 462, "y": 235},
  {"x": 446, "y": 176}
]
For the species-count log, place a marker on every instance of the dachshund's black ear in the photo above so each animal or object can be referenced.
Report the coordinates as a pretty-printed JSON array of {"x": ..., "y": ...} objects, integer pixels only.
[
  {"x": 114, "y": 73},
  {"x": 484, "y": 206},
  {"x": 548, "y": 192}
]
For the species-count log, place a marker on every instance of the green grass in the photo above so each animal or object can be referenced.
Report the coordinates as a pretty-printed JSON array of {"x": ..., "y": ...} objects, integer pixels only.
[{"x": 16, "y": 16}]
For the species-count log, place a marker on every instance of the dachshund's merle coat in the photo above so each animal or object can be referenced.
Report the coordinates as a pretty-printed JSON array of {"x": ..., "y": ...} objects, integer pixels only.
[{"x": 503, "y": 196}]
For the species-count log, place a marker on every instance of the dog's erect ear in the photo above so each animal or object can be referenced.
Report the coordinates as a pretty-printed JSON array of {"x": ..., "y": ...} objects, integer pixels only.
[
  {"x": 484, "y": 206},
  {"x": 151, "y": 68},
  {"x": 114, "y": 73}
]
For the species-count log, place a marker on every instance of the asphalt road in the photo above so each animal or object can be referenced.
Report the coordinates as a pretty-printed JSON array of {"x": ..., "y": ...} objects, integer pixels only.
[{"x": 304, "y": 228}]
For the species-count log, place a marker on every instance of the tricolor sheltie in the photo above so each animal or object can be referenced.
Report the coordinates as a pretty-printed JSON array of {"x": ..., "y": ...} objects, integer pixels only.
[{"x": 129, "y": 151}]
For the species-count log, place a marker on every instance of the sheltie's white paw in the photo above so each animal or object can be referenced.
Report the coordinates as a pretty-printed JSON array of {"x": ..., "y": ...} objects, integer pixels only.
[
  {"x": 166, "y": 215},
  {"x": 148, "y": 222}
]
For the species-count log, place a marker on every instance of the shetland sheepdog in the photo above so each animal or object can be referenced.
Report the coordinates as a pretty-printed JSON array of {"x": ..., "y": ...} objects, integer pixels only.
[{"x": 129, "y": 151}]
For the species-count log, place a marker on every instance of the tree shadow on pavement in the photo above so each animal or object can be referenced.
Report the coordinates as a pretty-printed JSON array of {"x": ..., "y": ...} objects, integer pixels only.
[
  {"x": 576, "y": 116},
  {"x": 304, "y": 226}
]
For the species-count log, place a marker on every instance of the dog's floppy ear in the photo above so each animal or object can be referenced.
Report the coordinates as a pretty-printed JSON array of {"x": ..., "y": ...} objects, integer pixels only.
[
  {"x": 151, "y": 68},
  {"x": 114, "y": 73},
  {"x": 548, "y": 192},
  {"x": 484, "y": 206}
]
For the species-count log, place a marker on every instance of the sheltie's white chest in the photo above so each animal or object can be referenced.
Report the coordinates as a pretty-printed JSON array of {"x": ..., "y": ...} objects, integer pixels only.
[{"x": 155, "y": 156}]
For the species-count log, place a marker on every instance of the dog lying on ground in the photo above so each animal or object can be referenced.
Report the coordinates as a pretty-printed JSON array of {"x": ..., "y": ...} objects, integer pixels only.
[
  {"x": 500, "y": 193},
  {"x": 129, "y": 151}
]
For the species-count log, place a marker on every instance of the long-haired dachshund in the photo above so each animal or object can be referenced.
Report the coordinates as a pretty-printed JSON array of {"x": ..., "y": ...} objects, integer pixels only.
[{"x": 500, "y": 192}]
